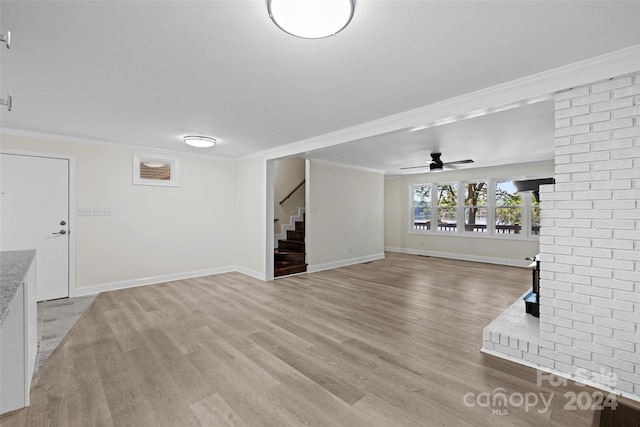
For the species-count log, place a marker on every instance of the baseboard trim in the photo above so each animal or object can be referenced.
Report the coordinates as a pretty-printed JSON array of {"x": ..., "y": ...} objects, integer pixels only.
[
  {"x": 125, "y": 284},
  {"x": 251, "y": 273},
  {"x": 461, "y": 257},
  {"x": 344, "y": 263},
  {"x": 580, "y": 380}
]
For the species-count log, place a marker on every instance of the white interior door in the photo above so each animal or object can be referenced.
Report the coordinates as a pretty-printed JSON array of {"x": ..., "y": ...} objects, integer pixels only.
[{"x": 34, "y": 214}]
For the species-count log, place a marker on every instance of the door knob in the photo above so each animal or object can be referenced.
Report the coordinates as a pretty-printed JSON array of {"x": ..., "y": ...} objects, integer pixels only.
[{"x": 61, "y": 232}]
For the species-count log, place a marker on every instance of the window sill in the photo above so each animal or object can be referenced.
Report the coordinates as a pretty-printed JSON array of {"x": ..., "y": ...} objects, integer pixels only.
[{"x": 476, "y": 235}]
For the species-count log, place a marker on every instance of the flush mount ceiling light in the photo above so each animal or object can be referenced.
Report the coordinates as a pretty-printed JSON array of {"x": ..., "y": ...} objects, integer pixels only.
[
  {"x": 199, "y": 141},
  {"x": 311, "y": 19}
]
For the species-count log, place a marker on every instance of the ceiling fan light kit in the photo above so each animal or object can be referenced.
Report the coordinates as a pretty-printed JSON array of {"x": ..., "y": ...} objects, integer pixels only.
[
  {"x": 311, "y": 19},
  {"x": 437, "y": 165}
]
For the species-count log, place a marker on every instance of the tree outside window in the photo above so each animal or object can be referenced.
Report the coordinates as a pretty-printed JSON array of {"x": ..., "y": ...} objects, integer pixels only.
[
  {"x": 447, "y": 207},
  {"x": 508, "y": 208},
  {"x": 492, "y": 207},
  {"x": 475, "y": 211},
  {"x": 535, "y": 216},
  {"x": 422, "y": 207}
]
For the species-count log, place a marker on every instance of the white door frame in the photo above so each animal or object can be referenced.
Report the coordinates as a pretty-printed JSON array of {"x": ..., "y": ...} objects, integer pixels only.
[
  {"x": 72, "y": 206},
  {"x": 269, "y": 274}
]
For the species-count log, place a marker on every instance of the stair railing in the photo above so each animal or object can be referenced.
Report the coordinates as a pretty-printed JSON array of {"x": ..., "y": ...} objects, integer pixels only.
[{"x": 291, "y": 193}]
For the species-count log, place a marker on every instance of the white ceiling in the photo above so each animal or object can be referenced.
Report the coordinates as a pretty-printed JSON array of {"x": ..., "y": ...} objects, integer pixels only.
[
  {"x": 518, "y": 135},
  {"x": 148, "y": 72}
]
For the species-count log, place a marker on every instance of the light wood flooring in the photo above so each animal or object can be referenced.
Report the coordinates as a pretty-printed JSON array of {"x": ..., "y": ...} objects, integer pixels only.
[
  {"x": 395, "y": 342},
  {"x": 55, "y": 320}
]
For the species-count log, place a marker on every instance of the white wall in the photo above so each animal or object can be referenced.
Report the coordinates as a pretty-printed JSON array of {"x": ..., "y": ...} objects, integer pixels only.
[
  {"x": 250, "y": 216},
  {"x": 288, "y": 173},
  {"x": 344, "y": 218},
  {"x": 590, "y": 239},
  {"x": 153, "y": 233},
  {"x": 498, "y": 250}
]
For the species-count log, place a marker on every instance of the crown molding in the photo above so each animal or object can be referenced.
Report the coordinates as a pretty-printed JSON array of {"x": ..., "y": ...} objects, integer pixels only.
[
  {"x": 530, "y": 88},
  {"x": 536, "y": 86},
  {"x": 103, "y": 143}
]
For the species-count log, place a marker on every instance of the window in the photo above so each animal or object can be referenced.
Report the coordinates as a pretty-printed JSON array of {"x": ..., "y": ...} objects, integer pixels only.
[
  {"x": 448, "y": 207},
  {"x": 484, "y": 208},
  {"x": 421, "y": 208},
  {"x": 508, "y": 208},
  {"x": 151, "y": 169},
  {"x": 535, "y": 216},
  {"x": 475, "y": 207}
]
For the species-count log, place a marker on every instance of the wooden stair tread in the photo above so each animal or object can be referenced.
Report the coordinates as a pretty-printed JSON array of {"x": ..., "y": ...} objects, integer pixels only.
[
  {"x": 292, "y": 246},
  {"x": 295, "y": 235},
  {"x": 283, "y": 270},
  {"x": 284, "y": 251},
  {"x": 290, "y": 257}
]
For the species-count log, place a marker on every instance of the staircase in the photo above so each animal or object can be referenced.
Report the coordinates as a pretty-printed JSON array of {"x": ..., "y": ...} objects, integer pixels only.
[{"x": 289, "y": 257}]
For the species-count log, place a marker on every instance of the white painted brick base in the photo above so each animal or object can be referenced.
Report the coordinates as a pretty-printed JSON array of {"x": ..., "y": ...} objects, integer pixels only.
[{"x": 590, "y": 242}]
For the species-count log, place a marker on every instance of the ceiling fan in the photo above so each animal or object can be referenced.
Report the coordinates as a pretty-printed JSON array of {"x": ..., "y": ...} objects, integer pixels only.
[{"x": 437, "y": 164}]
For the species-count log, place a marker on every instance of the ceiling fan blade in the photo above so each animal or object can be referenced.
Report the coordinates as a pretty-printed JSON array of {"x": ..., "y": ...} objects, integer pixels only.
[
  {"x": 459, "y": 162},
  {"x": 416, "y": 167},
  {"x": 437, "y": 165}
]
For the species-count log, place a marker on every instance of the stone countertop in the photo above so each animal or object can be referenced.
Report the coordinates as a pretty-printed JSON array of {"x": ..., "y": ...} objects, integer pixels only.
[{"x": 13, "y": 270}]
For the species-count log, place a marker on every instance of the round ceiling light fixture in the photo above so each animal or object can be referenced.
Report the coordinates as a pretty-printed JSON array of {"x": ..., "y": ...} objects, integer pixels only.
[
  {"x": 311, "y": 19},
  {"x": 199, "y": 141}
]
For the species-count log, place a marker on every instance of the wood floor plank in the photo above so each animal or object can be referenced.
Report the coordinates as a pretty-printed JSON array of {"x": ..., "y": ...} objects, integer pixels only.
[
  {"x": 380, "y": 413},
  {"x": 158, "y": 388},
  {"x": 319, "y": 404},
  {"x": 127, "y": 405},
  {"x": 394, "y": 342},
  {"x": 214, "y": 411},
  {"x": 318, "y": 371}
]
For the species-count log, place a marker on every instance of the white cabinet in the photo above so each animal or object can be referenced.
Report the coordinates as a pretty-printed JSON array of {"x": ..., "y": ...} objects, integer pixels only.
[{"x": 18, "y": 329}]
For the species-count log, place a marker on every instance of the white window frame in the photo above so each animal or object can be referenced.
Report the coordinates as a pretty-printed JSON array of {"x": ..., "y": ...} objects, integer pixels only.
[
  {"x": 434, "y": 203},
  {"x": 411, "y": 208},
  {"x": 464, "y": 206},
  {"x": 530, "y": 213},
  {"x": 525, "y": 231},
  {"x": 525, "y": 227},
  {"x": 173, "y": 167}
]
